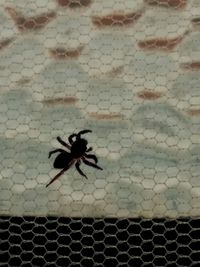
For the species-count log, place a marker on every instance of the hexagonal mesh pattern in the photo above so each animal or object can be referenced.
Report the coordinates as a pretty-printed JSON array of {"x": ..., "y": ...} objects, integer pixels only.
[
  {"x": 128, "y": 71},
  {"x": 41, "y": 241}
]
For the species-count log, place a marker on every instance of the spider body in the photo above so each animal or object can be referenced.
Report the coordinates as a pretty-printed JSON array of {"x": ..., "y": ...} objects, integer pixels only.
[
  {"x": 79, "y": 148},
  {"x": 62, "y": 160},
  {"x": 78, "y": 152}
]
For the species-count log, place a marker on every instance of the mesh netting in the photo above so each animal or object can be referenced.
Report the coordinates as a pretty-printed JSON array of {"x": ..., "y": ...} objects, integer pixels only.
[
  {"x": 50, "y": 241},
  {"x": 128, "y": 73}
]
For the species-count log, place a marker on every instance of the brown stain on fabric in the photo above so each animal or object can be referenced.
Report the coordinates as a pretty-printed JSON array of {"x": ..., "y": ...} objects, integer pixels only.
[
  {"x": 115, "y": 71},
  {"x": 117, "y": 19},
  {"x": 105, "y": 116},
  {"x": 150, "y": 95},
  {"x": 69, "y": 100},
  {"x": 4, "y": 43},
  {"x": 74, "y": 3},
  {"x": 23, "y": 81},
  {"x": 194, "y": 112},
  {"x": 196, "y": 22},
  {"x": 62, "y": 53},
  {"x": 194, "y": 65},
  {"x": 162, "y": 44},
  {"x": 167, "y": 3},
  {"x": 30, "y": 23}
]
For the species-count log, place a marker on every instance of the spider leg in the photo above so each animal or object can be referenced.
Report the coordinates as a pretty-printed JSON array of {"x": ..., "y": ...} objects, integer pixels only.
[
  {"x": 55, "y": 151},
  {"x": 63, "y": 143},
  {"x": 91, "y": 157},
  {"x": 89, "y": 149},
  {"x": 83, "y": 132},
  {"x": 79, "y": 170},
  {"x": 60, "y": 173},
  {"x": 70, "y": 138},
  {"x": 91, "y": 164}
]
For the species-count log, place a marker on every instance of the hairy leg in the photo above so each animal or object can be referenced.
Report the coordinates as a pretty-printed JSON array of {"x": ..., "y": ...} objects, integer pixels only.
[
  {"x": 91, "y": 156},
  {"x": 89, "y": 149},
  {"x": 63, "y": 142},
  {"x": 79, "y": 170},
  {"x": 91, "y": 164},
  {"x": 83, "y": 132},
  {"x": 60, "y": 173},
  {"x": 70, "y": 138}
]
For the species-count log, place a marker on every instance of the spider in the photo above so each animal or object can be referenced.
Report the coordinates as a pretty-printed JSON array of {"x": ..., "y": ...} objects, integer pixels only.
[{"x": 78, "y": 151}]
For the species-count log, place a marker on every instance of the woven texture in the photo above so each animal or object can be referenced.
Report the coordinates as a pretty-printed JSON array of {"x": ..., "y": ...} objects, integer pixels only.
[{"x": 127, "y": 70}]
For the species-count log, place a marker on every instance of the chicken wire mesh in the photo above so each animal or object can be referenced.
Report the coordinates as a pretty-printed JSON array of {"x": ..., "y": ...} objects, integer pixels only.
[
  {"x": 50, "y": 241},
  {"x": 128, "y": 71}
]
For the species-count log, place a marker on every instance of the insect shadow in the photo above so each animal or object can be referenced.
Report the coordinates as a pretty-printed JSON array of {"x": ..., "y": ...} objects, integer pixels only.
[{"x": 78, "y": 153}]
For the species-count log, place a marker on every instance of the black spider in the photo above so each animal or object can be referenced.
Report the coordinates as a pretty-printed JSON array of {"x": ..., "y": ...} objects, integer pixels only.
[{"x": 77, "y": 153}]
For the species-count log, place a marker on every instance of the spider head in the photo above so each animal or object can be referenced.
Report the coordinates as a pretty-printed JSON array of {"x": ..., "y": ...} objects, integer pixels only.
[
  {"x": 82, "y": 142},
  {"x": 79, "y": 147}
]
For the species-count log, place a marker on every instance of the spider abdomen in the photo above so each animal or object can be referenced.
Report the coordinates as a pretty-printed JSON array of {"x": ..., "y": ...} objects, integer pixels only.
[{"x": 62, "y": 160}]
